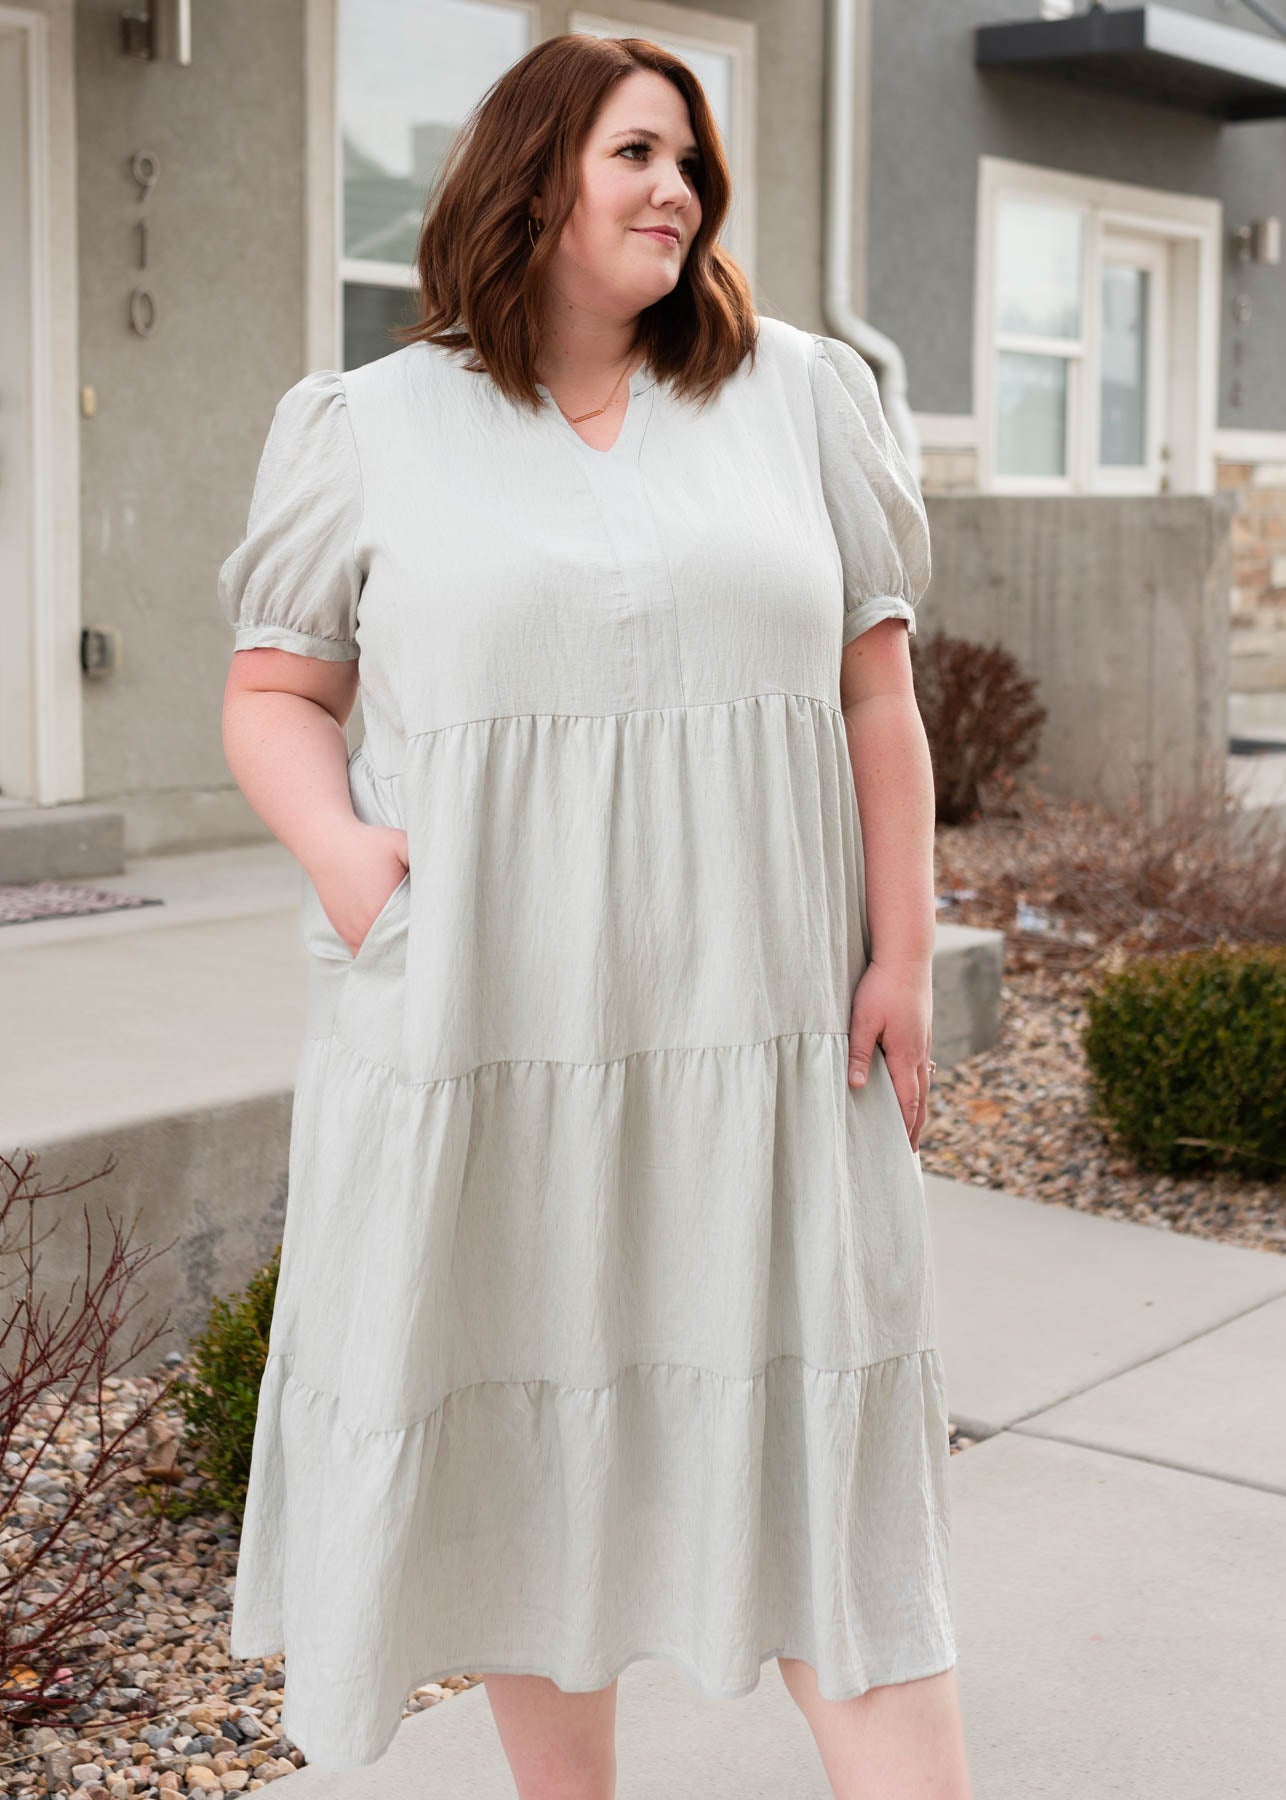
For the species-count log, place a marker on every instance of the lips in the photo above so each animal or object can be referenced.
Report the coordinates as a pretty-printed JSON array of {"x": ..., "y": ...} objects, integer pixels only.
[{"x": 661, "y": 231}]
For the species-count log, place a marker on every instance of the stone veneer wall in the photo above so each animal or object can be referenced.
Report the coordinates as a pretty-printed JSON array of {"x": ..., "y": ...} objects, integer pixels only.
[{"x": 1258, "y": 542}]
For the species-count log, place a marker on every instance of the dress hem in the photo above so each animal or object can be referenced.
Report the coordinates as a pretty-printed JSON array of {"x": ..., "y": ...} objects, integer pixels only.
[{"x": 937, "y": 1663}]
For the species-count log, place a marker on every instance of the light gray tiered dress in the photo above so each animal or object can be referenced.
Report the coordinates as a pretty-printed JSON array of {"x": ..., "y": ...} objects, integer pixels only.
[{"x": 605, "y": 1323}]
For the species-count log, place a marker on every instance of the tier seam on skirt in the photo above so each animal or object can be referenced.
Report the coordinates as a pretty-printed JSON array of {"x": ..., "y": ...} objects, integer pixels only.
[
  {"x": 626, "y": 712},
  {"x": 565, "y": 1062},
  {"x": 571, "y": 1387}
]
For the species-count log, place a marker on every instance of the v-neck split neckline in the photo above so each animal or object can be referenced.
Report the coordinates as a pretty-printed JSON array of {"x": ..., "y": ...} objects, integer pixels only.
[{"x": 642, "y": 379}]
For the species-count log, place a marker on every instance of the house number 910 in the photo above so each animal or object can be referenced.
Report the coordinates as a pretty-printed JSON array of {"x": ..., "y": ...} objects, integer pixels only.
[{"x": 145, "y": 168}]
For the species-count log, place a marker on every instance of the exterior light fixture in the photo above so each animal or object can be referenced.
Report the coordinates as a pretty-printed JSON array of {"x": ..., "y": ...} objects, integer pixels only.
[
  {"x": 160, "y": 31},
  {"x": 1260, "y": 241}
]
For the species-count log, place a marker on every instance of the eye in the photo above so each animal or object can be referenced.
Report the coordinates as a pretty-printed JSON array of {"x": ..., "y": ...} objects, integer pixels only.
[{"x": 691, "y": 163}]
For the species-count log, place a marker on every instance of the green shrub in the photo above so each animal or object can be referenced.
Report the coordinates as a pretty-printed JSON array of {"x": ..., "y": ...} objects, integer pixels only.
[
  {"x": 221, "y": 1396},
  {"x": 1186, "y": 1054}
]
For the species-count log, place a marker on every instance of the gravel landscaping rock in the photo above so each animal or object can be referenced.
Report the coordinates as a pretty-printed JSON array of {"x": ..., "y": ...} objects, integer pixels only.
[{"x": 1017, "y": 1116}]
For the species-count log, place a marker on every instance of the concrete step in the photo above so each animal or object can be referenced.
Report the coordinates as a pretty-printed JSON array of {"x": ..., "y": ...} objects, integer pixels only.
[
  {"x": 1258, "y": 779},
  {"x": 1257, "y": 718},
  {"x": 55, "y": 843},
  {"x": 1257, "y": 659},
  {"x": 169, "y": 1037},
  {"x": 166, "y": 1038}
]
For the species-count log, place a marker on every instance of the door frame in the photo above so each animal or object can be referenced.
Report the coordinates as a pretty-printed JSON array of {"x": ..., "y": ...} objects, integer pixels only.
[{"x": 41, "y": 727}]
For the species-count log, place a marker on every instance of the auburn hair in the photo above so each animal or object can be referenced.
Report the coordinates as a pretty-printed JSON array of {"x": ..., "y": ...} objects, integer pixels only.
[{"x": 479, "y": 275}]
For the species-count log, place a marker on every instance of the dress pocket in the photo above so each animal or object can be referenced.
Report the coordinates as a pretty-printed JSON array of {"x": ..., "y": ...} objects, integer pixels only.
[
  {"x": 387, "y": 920},
  {"x": 369, "y": 989},
  {"x": 321, "y": 938}
]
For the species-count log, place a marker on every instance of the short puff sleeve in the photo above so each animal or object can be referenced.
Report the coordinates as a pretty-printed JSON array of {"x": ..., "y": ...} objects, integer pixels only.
[
  {"x": 872, "y": 496},
  {"x": 293, "y": 582}
]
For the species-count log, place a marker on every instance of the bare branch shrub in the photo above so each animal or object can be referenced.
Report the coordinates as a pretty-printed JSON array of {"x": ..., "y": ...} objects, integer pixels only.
[
  {"x": 1192, "y": 871},
  {"x": 981, "y": 718},
  {"x": 52, "y": 1608}
]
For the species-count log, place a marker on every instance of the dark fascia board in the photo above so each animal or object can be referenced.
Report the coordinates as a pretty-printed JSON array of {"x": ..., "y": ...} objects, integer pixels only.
[{"x": 1151, "y": 53}]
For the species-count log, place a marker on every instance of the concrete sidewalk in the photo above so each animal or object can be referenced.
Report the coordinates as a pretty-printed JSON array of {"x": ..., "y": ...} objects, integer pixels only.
[{"x": 1119, "y": 1570}]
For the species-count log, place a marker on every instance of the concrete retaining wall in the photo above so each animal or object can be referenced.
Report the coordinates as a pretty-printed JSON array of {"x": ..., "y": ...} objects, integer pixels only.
[{"x": 1119, "y": 609}]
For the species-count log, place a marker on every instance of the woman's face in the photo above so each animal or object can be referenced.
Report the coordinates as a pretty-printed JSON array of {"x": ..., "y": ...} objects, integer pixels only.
[{"x": 638, "y": 169}]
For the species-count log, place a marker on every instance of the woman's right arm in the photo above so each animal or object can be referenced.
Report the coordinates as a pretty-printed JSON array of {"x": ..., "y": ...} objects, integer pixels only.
[{"x": 283, "y": 738}]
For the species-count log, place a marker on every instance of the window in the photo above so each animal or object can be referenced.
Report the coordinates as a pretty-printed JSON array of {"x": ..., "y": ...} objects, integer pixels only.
[
  {"x": 409, "y": 73},
  {"x": 1095, "y": 350},
  {"x": 1039, "y": 259}
]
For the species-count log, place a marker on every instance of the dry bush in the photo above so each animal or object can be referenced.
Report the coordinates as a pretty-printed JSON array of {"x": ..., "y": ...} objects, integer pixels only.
[
  {"x": 65, "y": 1563},
  {"x": 981, "y": 718},
  {"x": 1146, "y": 877}
]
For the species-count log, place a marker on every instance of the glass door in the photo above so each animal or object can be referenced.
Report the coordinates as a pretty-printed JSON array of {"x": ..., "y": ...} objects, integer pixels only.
[{"x": 1131, "y": 450}]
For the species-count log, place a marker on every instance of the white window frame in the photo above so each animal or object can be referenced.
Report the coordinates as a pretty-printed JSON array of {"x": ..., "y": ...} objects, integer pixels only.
[
  {"x": 1190, "y": 228},
  {"x": 327, "y": 268},
  {"x": 684, "y": 28}
]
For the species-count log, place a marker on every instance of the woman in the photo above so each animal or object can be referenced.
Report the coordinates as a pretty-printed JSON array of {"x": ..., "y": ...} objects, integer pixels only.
[{"x": 604, "y": 1323}]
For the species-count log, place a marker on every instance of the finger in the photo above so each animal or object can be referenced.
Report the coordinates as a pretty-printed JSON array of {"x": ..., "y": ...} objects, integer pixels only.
[
  {"x": 861, "y": 1048},
  {"x": 905, "y": 1076},
  {"x": 922, "y": 1113}
]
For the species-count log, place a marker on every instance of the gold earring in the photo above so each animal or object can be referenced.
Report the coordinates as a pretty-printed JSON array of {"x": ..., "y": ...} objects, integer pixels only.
[{"x": 530, "y": 233}]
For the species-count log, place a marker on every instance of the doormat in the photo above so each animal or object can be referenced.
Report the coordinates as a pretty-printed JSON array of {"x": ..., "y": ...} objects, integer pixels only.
[{"x": 21, "y": 901}]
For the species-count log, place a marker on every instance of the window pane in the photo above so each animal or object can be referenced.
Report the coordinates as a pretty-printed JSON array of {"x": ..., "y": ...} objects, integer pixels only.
[
  {"x": 369, "y": 311},
  {"x": 1038, "y": 268},
  {"x": 1123, "y": 383},
  {"x": 410, "y": 71},
  {"x": 1031, "y": 421}
]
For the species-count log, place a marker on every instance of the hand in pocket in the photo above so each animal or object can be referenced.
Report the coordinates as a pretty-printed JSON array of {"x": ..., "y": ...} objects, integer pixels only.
[{"x": 357, "y": 882}]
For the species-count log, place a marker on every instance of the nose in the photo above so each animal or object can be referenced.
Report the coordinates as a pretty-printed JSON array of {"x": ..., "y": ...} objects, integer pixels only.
[{"x": 673, "y": 187}]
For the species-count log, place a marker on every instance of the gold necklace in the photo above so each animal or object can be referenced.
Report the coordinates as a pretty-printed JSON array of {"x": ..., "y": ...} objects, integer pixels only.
[{"x": 598, "y": 409}]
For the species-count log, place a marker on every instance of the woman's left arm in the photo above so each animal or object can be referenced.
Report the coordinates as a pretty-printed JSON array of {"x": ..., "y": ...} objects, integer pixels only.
[{"x": 893, "y": 778}]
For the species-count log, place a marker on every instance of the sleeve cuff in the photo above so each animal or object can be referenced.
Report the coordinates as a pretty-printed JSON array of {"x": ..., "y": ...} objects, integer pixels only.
[
  {"x": 866, "y": 613},
  {"x": 301, "y": 643}
]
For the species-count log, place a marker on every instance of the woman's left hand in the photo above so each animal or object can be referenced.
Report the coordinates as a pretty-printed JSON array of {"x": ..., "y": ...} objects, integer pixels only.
[{"x": 894, "y": 1004}]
